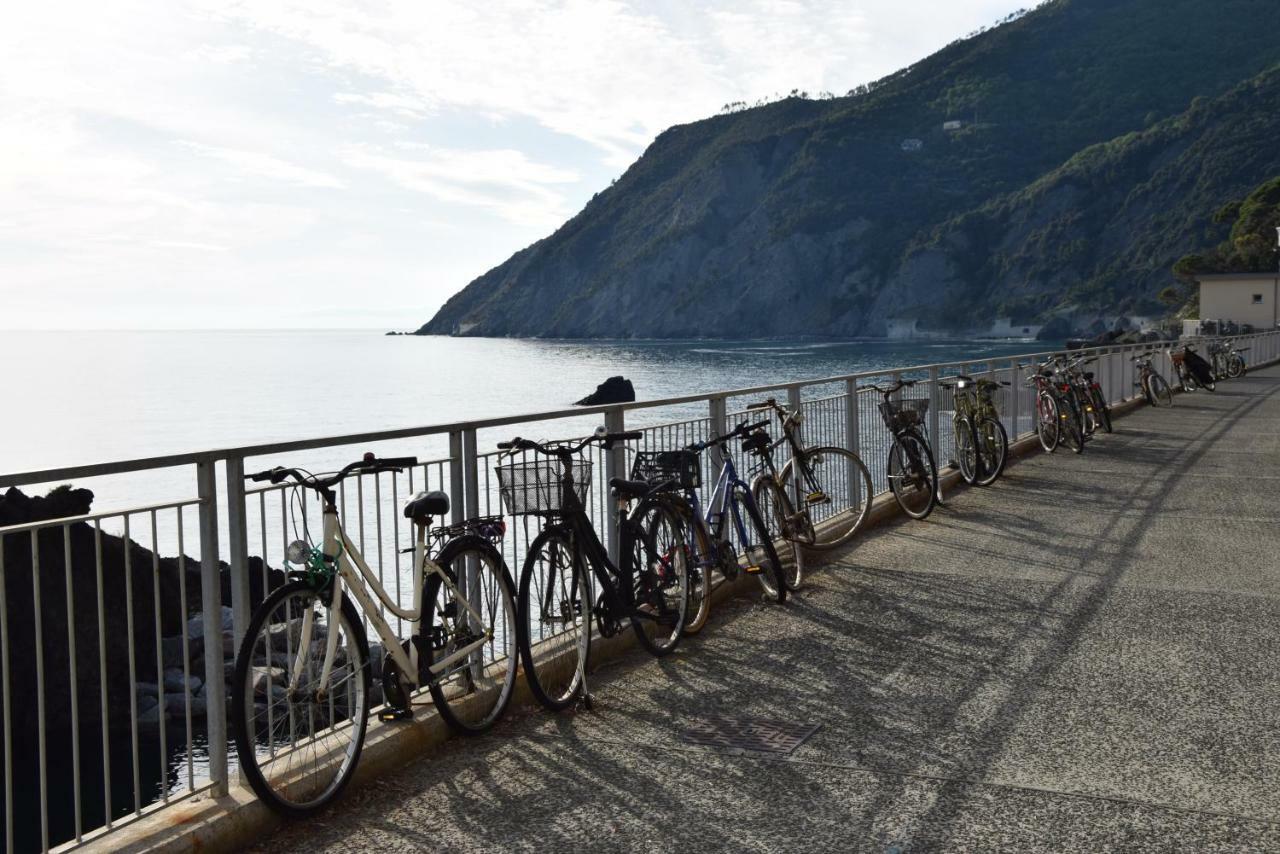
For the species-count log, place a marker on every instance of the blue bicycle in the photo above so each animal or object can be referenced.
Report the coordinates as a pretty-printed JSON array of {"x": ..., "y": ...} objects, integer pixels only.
[{"x": 710, "y": 549}]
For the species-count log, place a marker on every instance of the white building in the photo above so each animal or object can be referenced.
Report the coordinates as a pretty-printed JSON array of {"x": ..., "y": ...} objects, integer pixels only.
[{"x": 1241, "y": 297}]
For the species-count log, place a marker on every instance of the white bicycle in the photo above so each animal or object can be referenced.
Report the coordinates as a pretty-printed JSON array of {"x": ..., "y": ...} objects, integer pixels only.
[{"x": 302, "y": 684}]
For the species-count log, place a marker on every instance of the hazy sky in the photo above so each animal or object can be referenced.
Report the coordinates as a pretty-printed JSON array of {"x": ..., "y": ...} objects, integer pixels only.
[{"x": 183, "y": 164}]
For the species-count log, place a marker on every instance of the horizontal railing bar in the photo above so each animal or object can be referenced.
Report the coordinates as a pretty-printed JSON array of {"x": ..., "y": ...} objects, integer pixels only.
[
  {"x": 95, "y": 470},
  {"x": 94, "y": 517}
]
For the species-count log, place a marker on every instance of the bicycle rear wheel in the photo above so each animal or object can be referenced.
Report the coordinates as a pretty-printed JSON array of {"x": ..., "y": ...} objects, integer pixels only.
[
  {"x": 660, "y": 567},
  {"x": 993, "y": 445},
  {"x": 298, "y": 740},
  {"x": 1072, "y": 426},
  {"x": 473, "y": 691},
  {"x": 913, "y": 478},
  {"x": 554, "y": 616},
  {"x": 760, "y": 552},
  {"x": 838, "y": 493},
  {"x": 783, "y": 523},
  {"x": 1235, "y": 366},
  {"x": 1101, "y": 409},
  {"x": 1161, "y": 394},
  {"x": 701, "y": 563}
]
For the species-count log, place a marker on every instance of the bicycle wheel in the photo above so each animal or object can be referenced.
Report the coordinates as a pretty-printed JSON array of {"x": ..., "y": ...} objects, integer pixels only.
[
  {"x": 783, "y": 523},
  {"x": 966, "y": 448},
  {"x": 660, "y": 567},
  {"x": 1072, "y": 427},
  {"x": 1047, "y": 427},
  {"x": 760, "y": 552},
  {"x": 1101, "y": 409},
  {"x": 993, "y": 445},
  {"x": 701, "y": 563},
  {"x": 913, "y": 478},
  {"x": 838, "y": 493},
  {"x": 1161, "y": 394},
  {"x": 553, "y": 610},
  {"x": 471, "y": 692},
  {"x": 298, "y": 740},
  {"x": 1235, "y": 366}
]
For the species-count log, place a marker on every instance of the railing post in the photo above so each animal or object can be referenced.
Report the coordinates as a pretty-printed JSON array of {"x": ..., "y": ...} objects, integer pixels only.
[
  {"x": 615, "y": 464},
  {"x": 470, "y": 510},
  {"x": 237, "y": 547},
  {"x": 935, "y": 401},
  {"x": 798, "y": 499},
  {"x": 853, "y": 440},
  {"x": 456, "y": 477},
  {"x": 211, "y": 607},
  {"x": 717, "y": 413},
  {"x": 1014, "y": 392}
]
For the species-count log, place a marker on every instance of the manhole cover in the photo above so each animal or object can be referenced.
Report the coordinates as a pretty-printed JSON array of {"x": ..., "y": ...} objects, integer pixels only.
[{"x": 726, "y": 733}]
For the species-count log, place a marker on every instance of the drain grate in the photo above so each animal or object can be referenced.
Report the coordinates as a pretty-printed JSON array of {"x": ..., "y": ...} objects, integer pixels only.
[{"x": 726, "y": 733}]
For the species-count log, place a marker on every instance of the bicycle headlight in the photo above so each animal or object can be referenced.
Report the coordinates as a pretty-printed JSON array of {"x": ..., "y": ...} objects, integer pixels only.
[{"x": 298, "y": 552}]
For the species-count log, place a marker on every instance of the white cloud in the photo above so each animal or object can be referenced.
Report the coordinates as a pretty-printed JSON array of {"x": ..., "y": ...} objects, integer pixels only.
[{"x": 258, "y": 164}]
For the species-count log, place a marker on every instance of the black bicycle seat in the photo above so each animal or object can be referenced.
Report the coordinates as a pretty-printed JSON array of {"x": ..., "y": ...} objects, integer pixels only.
[
  {"x": 426, "y": 504},
  {"x": 630, "y": 488}
]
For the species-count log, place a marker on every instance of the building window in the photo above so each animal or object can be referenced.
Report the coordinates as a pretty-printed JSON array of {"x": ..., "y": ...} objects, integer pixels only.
[{"x": 1257, "y": 299}]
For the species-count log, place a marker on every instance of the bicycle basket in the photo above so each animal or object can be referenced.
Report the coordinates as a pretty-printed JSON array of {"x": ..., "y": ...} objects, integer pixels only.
[
  {"x": 908, "y": 413},
  {"x": 683, "y": 467},
  {"x": 534, "y": 488}
]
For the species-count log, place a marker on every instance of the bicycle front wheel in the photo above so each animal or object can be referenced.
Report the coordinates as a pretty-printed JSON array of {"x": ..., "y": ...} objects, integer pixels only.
[
  {"x": 701, "y": 561},
  {"x": 1047, "y": 427},
  {"x": 913, "y": 478},
  {"x": 553, "y": 610},
  {"x": 837, "y": 490},
  {"x": 1161, "y": 394},
  {"x": 993, "y": 446},
  {"x": 784, "y": 523},
  {"x": 471, "y": 689},
  {"x": 660, "y": 568},
  {"x": 966, "y": 449},
  {"x": 299, "y": 734},
  {"x": 1235, "y": 367},
  {"x": 762, "y": 557},
  {"x": 1101, "y": 409}
]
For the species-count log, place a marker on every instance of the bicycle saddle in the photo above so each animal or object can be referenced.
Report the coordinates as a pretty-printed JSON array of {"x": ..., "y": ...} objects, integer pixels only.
[
  {"x": 630, "y": 488},
  {"x": 426, "y": 504}
]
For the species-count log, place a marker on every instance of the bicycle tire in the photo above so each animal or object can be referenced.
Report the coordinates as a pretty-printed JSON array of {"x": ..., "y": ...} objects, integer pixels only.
[
  {"x": 700, "y": 568},
  {"x": 556, "y": 545},
  {"x": 1161, "y": 394},
  {"x": 247, "y": 675},
  {"x": 661, "y": 554},
  {"x": 966, "y": 441},
  {"x": 1101, "y": 409},
  {"x": 1074, "y": 428},
  {"x": 775, "y": 506},
  {"x": 841, "y": 527},
  {"x": 1047, "y": 414},
  {"x": 1235, "y": 366},
  {"x": 992, "y": 433},
  {"x": 770, "y": 575},
  {"x": 900, "y": 461},
  {"x": 494, "y": 678}
]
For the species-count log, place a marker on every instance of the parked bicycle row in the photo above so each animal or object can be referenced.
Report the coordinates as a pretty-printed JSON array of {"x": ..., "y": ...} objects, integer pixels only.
[{"x": 302, "y": 690}]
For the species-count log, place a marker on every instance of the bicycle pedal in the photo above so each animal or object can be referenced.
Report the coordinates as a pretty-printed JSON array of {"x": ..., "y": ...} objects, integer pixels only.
[
  {"x": 818, "y": 498},
  {"x": 755, "y": 569},
  {"x": 394, "y": 715}
]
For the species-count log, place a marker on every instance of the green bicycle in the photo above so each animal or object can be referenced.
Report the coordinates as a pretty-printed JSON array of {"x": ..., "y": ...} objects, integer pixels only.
[{"x": 982, "y": 444}]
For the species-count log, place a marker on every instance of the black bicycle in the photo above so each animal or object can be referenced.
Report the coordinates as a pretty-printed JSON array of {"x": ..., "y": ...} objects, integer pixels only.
[
  {"x": 912, "y": 473},
  {"x": 558, "y": 600}
]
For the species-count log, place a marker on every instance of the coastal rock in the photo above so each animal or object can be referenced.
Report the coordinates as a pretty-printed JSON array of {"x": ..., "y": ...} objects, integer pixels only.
[{"x": 612, "y": 390}]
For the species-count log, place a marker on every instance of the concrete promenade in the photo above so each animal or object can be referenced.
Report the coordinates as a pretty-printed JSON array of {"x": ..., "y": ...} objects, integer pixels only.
[{"x": 1083, "y": 657}]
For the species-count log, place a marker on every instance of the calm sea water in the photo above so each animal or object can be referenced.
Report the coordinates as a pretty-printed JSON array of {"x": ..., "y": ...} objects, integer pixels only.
[{"x": 88, "y": 397}]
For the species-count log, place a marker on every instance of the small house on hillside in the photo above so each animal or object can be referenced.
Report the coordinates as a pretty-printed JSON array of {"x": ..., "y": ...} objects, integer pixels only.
[
  {"x": 1240, "y": 298},
  {"x": 954, "y": 124}
]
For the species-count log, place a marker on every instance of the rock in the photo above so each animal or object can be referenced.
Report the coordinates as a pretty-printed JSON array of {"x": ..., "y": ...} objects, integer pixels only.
[
  {"x": 176, "y": 680},
  {"x": 612, "y": 390},
  {"x": 267, "y": 676},
  {"x": 147, "y": 689},
  {"x": 195, "y": 626}
]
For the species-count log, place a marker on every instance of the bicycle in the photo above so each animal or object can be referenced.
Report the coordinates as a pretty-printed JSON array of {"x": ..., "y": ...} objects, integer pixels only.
[
  {"x": 911, "y": 471},
  {"x": 823, "y": 471},
  {"x": 301, "y": 690},
  {"x": 1058, "y": 415},
  {"x": 727, "y": 512},
  {"x": 556, "y": 599},
  {"x": 1154, "y": 387},
  {"x": 1235, "y": 366},
  {"x": 1089, "y": 395},
  {"x": 976, "y": 416},
  {"x": 1189, "y": 379}
]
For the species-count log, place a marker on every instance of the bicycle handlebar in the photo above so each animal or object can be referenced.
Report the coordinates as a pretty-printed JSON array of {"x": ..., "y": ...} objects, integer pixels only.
[
  {"x": 608, "y": 440},
  {"x": 741, "y": 430},
  {"x": 370, "y": 463}
]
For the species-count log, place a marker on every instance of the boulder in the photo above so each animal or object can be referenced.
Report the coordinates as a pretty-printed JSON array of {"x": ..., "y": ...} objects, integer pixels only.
[{"x": 612, "y": 390}]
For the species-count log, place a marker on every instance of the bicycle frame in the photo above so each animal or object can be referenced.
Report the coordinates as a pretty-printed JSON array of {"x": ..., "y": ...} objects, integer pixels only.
[
  {"x": 338, "y": 547},
  {"x": 713, "y": 520}
]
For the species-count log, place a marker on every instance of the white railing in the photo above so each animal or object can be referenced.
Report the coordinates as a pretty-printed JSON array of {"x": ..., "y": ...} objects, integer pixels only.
[{"x": 129, "y": 715}]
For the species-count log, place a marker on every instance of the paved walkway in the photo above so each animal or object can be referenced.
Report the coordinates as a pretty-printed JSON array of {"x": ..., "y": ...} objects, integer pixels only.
[{"x": 1082, "y": 657}]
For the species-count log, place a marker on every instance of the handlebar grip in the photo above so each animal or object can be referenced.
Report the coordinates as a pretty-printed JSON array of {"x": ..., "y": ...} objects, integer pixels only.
[
  {"x": 397, "y": 462},
  {"x": 262, "y": 475},
  {"x": 626, "y": 436},
  {"x": 764, "y": 404}
]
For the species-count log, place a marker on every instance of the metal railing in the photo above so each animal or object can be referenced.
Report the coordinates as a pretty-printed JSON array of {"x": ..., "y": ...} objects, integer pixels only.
[{"x": 132, "y": 708}]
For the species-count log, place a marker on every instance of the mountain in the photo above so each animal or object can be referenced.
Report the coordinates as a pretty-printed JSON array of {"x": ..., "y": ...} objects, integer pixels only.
[{"x": 1095, "y": 140}]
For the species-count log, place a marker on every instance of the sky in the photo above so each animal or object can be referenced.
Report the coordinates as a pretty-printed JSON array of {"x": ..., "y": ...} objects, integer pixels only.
[{"x": 187, "y": 164}]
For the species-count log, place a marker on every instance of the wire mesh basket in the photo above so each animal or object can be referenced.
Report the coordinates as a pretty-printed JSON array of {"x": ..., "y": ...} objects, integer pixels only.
[
  {"x": 908, "y": 413},
  {"x": 683, "y": 467},
  {"x": 535, "y": 488}
]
